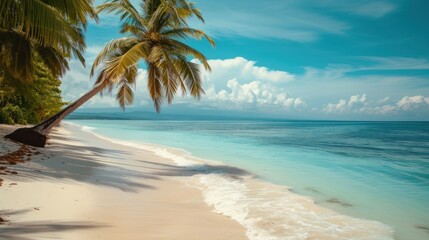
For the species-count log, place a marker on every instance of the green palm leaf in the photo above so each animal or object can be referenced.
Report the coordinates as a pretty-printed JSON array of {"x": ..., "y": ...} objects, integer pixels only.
[
  {"x": 50, "y": 27},
  {"x": 154, "y": 38}
]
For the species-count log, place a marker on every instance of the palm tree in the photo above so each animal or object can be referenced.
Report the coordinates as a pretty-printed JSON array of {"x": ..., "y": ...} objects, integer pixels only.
[
  {"x": 51, "y": 30},
  {"x": 152, "y": 37}
]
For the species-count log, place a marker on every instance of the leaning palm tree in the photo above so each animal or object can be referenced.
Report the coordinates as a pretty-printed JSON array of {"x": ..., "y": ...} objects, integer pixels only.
[
  {"x": 153, "y": 37},
  {"x": 50, "y": 30}
]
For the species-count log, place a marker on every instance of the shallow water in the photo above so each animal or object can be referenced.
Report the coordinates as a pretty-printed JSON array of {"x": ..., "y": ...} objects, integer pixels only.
[{"x": 368, "y": 170}]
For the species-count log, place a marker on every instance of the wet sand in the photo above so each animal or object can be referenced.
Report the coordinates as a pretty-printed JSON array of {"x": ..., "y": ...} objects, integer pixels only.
[{"x": 84, "y": 187}]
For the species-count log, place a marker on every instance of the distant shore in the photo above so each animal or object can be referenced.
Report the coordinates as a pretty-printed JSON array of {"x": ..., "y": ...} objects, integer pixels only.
[{"x": 84, "y": 187}]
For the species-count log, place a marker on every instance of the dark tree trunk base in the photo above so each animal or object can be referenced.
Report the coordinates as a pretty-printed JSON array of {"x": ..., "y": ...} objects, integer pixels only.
[{"x": 28, "y": 136}]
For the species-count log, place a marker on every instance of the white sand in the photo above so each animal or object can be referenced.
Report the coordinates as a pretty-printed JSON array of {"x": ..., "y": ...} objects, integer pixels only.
[{"x": 83, "y": 187}]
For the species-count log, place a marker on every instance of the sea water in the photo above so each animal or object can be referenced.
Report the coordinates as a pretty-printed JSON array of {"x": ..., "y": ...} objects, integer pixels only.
[{"x": 375, "y": 171}]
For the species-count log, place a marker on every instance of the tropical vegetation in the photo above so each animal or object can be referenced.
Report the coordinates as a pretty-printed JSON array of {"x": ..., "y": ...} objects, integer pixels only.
[
  {"x": 52, "y": 30},
  {"x": 29, "y": 103},
  {"x": 154, "y": 34}
]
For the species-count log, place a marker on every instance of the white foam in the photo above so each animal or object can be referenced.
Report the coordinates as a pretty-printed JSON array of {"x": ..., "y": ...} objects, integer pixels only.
[
  {"x": 161, "y": 151},
  {"x": 88, "y": 129},
  {"x": 270, "y": 212},
  {"x": 267, "y": 211}
]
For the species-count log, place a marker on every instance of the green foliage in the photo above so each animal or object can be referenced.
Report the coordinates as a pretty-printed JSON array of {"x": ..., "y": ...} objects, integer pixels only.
[
  {"x": 155, "y": 34},
  {"x": 26, "y": 103},
  {"x": 51, "y": 28}
]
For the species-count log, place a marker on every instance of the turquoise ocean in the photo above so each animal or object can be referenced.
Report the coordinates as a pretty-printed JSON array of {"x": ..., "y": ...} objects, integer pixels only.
[{"x": 376, "y": 171}]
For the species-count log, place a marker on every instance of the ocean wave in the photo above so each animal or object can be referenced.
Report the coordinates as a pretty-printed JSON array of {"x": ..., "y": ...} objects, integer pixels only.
[
  {"x": 267, "y": 211},
  {"x": 272, "y": 212}
]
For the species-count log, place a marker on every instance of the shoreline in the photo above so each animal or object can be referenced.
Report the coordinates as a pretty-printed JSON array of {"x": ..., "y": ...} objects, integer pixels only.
[
  {"x": 83, "y": 187},
  {"x": 233, "y": 191},
  {"x": 255, "y": 209}
]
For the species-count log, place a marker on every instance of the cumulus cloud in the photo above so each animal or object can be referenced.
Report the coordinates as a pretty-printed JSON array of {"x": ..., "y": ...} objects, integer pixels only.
[
  {"x": 245, "y": 70},
  {"x": 356, "y": 100},
  {"x": 336, "y": 107},
  {"x": 252, "y": 94},
  {"x": 344, "y": 105},
  {"x": 242, "y": 84},
  {"x": 359, "y": 104},
  {"x": 409, "y": 103}
]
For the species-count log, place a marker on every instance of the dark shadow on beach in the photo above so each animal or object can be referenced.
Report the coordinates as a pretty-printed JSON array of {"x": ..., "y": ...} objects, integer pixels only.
[
  {"x": 108, "y": 166},
  {"x": 24, "y": 230},
  {"x": 85, "y": 164}
]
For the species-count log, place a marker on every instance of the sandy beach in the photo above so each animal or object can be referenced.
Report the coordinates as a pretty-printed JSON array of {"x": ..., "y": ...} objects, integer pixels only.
[{"x": 84, "y": 187}]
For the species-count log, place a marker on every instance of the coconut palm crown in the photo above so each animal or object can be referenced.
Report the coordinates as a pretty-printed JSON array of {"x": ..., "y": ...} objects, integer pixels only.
[{"x": 153, "y": 37}]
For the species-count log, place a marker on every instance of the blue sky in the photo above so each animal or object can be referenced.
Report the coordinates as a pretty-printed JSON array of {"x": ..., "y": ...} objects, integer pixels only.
[{"x": 317, "y": 59}]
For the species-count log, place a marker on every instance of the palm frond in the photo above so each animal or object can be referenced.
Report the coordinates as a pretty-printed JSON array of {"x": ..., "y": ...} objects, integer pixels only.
[
  {"x": 191, "y": 74},
  {"x": 117, "y": 65},
  {"x": 76, "y": 11},
  {"x": 125, "y": 9},
  {"x": 113, "y": 47},
  {"x": 56, "y": 61},
  {"x": 38, "y": 20},
  {"x": 125, "y": 94},
  {"x": 183, "y": 49},
  {"x": 185, "y": 33},
  {"x": 16, "y": 55},
  {"x": 175, "y": 77},
  {"x": 154, "y": 86}
]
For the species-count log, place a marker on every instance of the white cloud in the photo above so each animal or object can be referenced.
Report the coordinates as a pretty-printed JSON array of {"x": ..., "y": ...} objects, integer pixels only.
[
  {"x": 409, "y": 103},
  {"x": 245, "y": 70},
  {"x": 359, "y": 104},
  {"x": 242, "y": 84},
  {"x": 250, "y": 95},
  {"x": 336, "y": 107},
  {"x": 343, "y": 105},
  {"x": 356, "y": 100}
]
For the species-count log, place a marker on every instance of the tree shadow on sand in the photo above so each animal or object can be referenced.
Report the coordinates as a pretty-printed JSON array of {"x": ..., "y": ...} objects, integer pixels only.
[
  {"x": 85, "y": 164},
  {"x": 100, "y": 163},
  {"x": 24, "y": 230}
]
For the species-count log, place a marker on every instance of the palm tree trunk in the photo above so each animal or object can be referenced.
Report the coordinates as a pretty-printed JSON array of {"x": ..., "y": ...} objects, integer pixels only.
[{"x": 37, "y": 135}]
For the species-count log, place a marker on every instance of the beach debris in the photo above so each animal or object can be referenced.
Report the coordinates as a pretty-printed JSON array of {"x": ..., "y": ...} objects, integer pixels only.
[
  {"x": 14, "y": 158},
  {"x": 2, "y": 220},
  {"x": 36, "y": 209}
]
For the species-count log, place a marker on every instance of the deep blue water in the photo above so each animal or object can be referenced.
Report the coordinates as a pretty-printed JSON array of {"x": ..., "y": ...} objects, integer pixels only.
[{"x": 372, "y": 170}]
